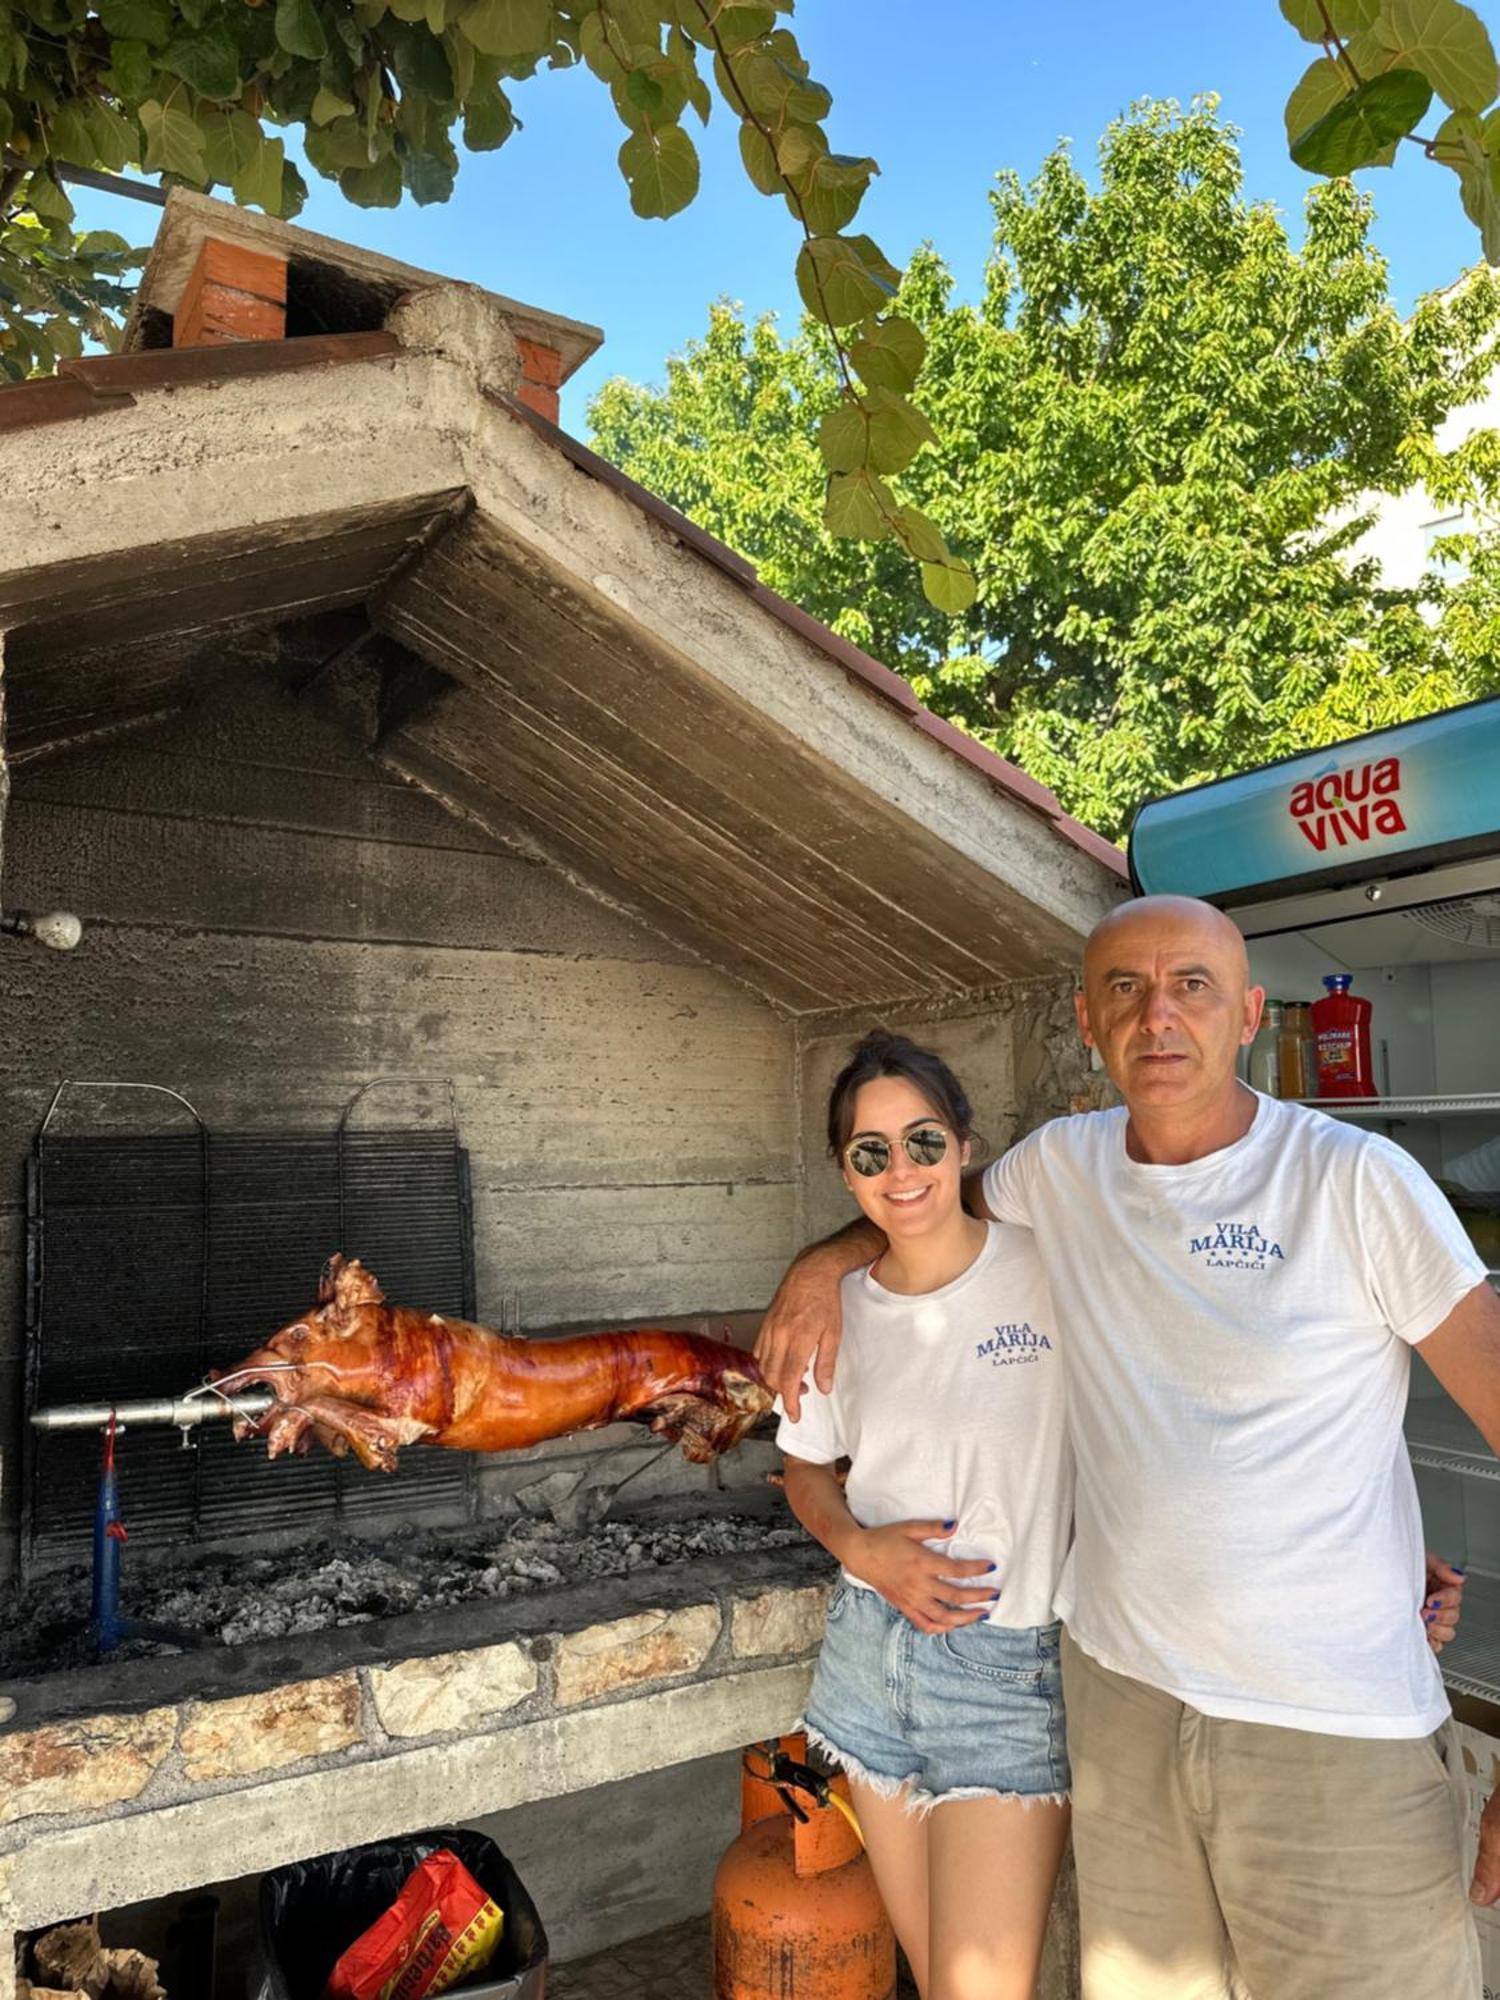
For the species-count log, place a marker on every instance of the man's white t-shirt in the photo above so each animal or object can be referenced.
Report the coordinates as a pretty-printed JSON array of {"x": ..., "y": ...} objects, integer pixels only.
[
  {"x": 950, "y": 1407},
  {"x": 1238, "y": 1336}
]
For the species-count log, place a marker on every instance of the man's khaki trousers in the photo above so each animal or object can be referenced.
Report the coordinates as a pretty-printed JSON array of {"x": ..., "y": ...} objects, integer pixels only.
[{"x": 1237, "y": 1861}]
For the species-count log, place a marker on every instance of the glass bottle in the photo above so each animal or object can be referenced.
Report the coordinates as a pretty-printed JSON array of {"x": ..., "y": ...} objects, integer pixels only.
[
  {"x": 1299, "y": 1051},
  {"x": 1264, "y": 1067}
]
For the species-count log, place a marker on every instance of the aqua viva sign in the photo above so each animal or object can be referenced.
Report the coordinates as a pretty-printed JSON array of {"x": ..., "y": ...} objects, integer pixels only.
[{"x": 1379, "y": 804}]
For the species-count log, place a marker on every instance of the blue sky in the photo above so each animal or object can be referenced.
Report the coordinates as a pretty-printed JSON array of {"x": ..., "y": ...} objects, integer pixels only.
[{"x": 986, "y": 84}]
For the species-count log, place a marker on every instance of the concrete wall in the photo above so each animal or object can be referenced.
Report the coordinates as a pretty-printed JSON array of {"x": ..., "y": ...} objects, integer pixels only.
[
  {"x": 603, "y": 1866},
  {"x": 1015, "y": 1050},
  {"x": 271, "y": 920}
]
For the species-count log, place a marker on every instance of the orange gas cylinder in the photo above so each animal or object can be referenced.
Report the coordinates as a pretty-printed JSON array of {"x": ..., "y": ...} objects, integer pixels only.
[{"x": 797, "y": 1915}]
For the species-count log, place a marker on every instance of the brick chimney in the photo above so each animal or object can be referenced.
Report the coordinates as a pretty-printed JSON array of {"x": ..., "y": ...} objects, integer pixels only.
[
  {"x": 541, "y": 376},
  {"x": 232, "y": 293}
]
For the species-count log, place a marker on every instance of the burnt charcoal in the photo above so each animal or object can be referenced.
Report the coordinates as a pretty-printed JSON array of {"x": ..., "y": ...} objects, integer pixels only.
[{"x": 235, "y": 1597}]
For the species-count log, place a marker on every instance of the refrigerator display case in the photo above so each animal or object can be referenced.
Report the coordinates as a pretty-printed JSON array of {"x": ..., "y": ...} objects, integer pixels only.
[{"x": 1380, "y": 857}]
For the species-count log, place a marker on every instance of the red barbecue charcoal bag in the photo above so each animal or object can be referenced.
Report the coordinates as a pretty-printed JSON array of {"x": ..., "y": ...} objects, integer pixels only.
[
  {"x": 440, "y": 1929},
  {"x": 407, "y": 1918}
]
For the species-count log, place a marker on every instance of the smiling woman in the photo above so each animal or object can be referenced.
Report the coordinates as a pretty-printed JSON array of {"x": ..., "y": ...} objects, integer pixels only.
[{"x": 938, "y": 1686}]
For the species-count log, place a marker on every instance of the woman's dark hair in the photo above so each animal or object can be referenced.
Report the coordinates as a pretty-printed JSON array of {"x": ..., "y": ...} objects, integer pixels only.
[{"x": 882, "y": 1053}]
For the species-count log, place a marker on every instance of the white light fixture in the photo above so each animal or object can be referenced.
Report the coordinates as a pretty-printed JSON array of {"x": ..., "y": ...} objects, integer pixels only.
[{"x": 60, "y": 930}]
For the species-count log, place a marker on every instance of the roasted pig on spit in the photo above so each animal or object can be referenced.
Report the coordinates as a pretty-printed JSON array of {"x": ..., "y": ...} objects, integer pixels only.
[{"x": 363, "y": 1376}]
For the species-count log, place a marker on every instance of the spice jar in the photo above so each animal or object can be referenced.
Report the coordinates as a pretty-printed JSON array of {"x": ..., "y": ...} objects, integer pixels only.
[{"x": 1298, "y": 1051}]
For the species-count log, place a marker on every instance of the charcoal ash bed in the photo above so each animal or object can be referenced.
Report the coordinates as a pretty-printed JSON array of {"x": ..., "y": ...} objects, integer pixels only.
[{"x": 234, "y": 1597}]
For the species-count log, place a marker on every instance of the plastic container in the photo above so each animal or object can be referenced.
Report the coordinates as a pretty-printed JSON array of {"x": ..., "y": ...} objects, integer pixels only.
[
  {"x": 1298, "y": 1052},
  {"x": 312, "y": 1911},
  {"x": 1341, "y": 1022},
  {"x": 1263, "y": 1067}
]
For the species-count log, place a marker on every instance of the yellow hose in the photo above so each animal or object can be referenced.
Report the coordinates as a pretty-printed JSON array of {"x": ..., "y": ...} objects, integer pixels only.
[{"x": 848, "y": 1811}]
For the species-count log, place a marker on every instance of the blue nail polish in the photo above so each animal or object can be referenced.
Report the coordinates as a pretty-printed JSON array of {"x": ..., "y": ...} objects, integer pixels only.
[
  {"x": 1461, "y": 1569},
  {"x": 950, "y": 1524}
]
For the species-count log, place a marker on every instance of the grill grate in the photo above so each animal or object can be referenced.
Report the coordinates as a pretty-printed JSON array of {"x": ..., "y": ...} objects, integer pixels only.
[{"x": 154, "y": 1259}]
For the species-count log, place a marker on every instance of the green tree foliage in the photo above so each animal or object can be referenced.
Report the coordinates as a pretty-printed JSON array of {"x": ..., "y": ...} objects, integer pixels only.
[
  {"x": 1159, "y": 429},
  {"x": 1384, "y": 65},
  {"x": 383, "y": 92}
]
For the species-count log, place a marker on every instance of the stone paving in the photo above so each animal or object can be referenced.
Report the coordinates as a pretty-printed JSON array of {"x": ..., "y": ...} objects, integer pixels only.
[{"x": 672, "y": 1964}]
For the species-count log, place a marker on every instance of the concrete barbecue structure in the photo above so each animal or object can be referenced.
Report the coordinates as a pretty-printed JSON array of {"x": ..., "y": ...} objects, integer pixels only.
[{"x": 375, "y": 727}]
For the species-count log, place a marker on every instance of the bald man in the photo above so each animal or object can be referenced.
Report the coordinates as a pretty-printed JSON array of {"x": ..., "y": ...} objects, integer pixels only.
[{"x": 1259, "y": 1805}]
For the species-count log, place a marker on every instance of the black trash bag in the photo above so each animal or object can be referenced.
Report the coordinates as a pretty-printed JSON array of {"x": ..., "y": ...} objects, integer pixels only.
[{"x": 312, "y": 1911}]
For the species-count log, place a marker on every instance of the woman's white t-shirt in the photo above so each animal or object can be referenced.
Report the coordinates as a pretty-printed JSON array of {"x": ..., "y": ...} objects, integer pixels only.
[
  {"x": 950, "y": 1406},
  {"x": 1238, "y": 1334}
]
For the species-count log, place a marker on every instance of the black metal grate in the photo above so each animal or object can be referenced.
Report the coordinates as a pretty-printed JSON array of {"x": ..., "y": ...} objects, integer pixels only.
[{"x": 157, "y": 1258}]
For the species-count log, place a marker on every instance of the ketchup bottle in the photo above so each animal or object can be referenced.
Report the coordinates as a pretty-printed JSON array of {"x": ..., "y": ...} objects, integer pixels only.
[{"x": 1341, "y": 1023}]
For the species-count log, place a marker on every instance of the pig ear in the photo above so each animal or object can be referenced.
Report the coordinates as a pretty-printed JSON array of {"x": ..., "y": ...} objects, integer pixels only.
[
  {"x": 351, "y": 1284},
  {"x": 328, "y": 1282}
]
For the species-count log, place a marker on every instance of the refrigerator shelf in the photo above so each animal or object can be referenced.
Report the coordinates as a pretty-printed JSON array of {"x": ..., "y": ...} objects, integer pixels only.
[
  {"x": 1479, "y": 1104},
  {"x": 1471, "y": 1664},
  {"x": 1440, "y": 1436}
]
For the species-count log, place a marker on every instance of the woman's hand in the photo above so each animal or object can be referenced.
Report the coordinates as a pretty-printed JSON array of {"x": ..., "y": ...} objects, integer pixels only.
[
  {"x": 923, "y": 1584},
  {"x": 1443, "y": 1601}
]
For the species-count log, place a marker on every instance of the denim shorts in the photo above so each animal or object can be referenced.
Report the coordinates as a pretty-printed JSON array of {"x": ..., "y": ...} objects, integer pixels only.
[{"x": 972, "y": 1713}]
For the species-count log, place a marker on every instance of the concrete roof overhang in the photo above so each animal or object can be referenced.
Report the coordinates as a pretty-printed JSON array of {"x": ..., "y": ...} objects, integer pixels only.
[{"x": 518, "y": 630}]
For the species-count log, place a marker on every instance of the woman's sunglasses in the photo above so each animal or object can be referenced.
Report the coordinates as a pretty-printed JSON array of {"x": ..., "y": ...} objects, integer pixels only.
[{"x": 924, "y": 1148}]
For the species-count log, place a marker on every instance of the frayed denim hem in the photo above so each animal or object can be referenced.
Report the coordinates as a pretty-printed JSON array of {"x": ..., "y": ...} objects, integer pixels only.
[{"x": 917, "y": 1801}]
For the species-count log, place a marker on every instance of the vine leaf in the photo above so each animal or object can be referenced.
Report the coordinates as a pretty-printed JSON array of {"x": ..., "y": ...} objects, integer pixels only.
[
  {"x": 508, "y": 27},
  {"x": 1463, "y": 142},
  {"x": 334, "y": 148},
  {"x": 69, "y": 133},
  {"x": 1362, "y": 125},
  {"x": 1448, "y": 43},
  {"x": 882, "y": 431},
  {"x": 136, "y": 20},
  {"x": 488, "y": 120},
  {"x": 859, "y": 505},
  {"x": 661, "y": 170},
  {"x": 231, "y": 141},
  {"x": 920, "y": 537},
  {"x": 377, "y": 186},
  {"x": 130, "y": 71},
  {"x": 428, "y": 176},
  {"x": 898, "y": 430},
  {"x": 949, "y": 586},
  {"x": 828, "y": 189},
  {"x": 327, "y": 106},
  {"x": 174, "y": 145},
  {"x": 597, "y": 50},
  {"x": 207, "y": 58},
  {"x": 760, "y": 159},
  {"x": 261, "y": 182},
  {"x": 890, "y": 354},
  {"x": 47, "y": 200},
  {"x": 844, "y": 276},
  {"x": 299, "y": 31},
  {"x": 1347, "y": 17}
]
